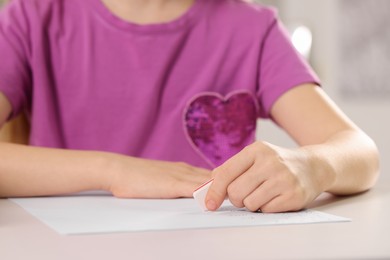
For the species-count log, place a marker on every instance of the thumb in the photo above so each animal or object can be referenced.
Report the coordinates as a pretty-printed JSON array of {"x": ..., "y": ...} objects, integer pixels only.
[
  {"x": 215, "y": 195},
  {"x": 224, "y": 175}
]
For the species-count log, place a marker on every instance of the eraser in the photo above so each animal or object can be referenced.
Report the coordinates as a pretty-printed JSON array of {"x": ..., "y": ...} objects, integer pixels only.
[{"x": 201, "y": 192}]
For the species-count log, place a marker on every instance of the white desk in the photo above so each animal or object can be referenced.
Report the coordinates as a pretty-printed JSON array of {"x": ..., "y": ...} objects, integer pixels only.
[{"x": 366, "y": 237}]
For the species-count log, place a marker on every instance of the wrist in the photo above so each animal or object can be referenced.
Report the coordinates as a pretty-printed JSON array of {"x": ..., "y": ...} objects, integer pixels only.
[{"x": 107, "y": 166}]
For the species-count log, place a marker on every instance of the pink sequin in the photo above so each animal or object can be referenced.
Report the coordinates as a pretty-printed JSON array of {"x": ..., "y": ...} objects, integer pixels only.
[{"x": 220, "y": 127}]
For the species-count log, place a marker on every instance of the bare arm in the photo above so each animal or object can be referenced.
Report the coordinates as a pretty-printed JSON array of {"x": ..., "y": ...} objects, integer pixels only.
[
  {"x": 346, "y": 159},
  {"x": 34, "y": 171},
  {"x": 334, "y": 155}
]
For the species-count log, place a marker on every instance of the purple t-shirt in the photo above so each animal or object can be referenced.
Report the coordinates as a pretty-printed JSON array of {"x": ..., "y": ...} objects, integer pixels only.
[{"x": 187, "y": 90}]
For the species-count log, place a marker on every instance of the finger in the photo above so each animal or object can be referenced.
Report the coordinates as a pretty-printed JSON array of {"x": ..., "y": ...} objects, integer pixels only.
[
  {"x": 244, "y": 185},
  {"x": 281, "y": 204},
  {"x": 186, "y": 188},
  {"x": 265, "y": 193},
  {"x": 226, "y": 174}
]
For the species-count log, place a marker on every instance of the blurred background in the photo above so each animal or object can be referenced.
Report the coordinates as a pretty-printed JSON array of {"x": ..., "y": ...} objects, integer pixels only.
[{"x": 348, "y": 44}]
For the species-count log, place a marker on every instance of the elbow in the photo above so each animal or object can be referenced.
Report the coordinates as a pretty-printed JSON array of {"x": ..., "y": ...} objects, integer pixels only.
[
  {"x": 371, "y": 162},
  {"x": 361, "y": 169},
  {"x": 375, "y": 168}
]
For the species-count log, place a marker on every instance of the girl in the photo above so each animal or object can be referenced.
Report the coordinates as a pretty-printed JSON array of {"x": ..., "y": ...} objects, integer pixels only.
[{"x": 150, "y": 98}]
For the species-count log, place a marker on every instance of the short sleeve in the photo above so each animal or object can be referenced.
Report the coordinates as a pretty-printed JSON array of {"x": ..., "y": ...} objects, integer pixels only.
[
  {"x": 281, "y": 67},
  {"x": 15, "y": 76}
]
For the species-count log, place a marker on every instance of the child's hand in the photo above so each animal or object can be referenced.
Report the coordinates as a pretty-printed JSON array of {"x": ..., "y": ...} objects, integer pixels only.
[
  {"x": 141, "y": 178},
  {"x": 267, "y": 178}
]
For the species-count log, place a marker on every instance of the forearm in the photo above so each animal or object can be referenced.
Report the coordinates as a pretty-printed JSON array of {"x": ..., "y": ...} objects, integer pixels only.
[
  {"x": 347, "y": 163},
  {"x": 33, "y": 171}
]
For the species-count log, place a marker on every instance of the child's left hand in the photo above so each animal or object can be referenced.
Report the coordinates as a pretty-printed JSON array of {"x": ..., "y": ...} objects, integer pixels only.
[{"x": 267, "y": 178}]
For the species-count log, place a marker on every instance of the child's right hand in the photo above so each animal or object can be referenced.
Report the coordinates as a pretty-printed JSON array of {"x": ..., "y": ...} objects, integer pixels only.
[{"x": 142, "y": 178}]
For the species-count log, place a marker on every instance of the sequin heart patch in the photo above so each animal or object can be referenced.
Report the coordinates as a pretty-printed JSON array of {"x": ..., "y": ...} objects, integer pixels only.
[{"x": 219, "y": 127}]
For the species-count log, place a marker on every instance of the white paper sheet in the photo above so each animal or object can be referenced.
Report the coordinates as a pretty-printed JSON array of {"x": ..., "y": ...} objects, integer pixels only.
[{"x": 102, "y": 214}]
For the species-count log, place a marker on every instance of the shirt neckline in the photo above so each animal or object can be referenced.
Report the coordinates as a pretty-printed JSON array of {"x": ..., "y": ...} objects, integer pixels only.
[{"x": 180, "y": 22}]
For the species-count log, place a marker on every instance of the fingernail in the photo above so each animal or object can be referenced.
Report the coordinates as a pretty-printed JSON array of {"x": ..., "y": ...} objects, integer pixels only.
[{"x": 211, "y": 205}]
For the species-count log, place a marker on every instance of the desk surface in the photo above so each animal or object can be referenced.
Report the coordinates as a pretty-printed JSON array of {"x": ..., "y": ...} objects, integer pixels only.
[{"x": 367, "y": 237}]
